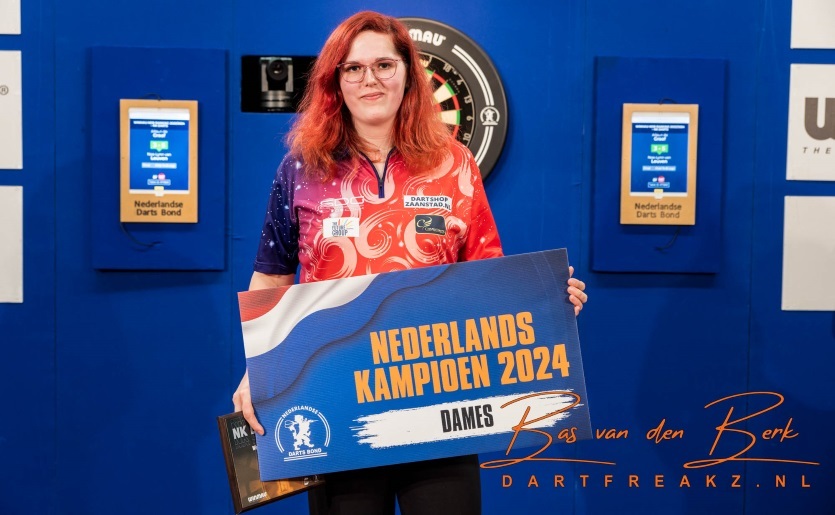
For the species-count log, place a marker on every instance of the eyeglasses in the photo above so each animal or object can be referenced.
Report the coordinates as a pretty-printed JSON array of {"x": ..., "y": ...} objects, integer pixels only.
[{"x": 382, "y": 69}]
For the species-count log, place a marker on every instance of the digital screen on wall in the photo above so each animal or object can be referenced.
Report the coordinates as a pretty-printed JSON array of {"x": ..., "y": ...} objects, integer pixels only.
[{"x": 159, "y": 142}]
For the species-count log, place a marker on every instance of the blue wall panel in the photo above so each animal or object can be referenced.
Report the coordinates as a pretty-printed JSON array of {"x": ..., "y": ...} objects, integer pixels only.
[
  {"x": 664, "y": 346},
  {"x": 143, "y": 357},
  {"x": 162, "y": 74},
  {"x": 118, "y": 375},
  {"x": 620, "y": 247}
]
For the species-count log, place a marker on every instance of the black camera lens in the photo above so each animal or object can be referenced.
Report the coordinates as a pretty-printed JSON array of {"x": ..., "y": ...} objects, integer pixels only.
[{"x": 277, "y": 70}]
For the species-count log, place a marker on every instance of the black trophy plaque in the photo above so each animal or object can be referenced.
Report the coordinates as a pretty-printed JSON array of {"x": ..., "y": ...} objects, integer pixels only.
[{"x": 241, "y": 455}]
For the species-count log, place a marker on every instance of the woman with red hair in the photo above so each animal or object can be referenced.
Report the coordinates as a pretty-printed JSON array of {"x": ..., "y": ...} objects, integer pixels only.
[{"x": 374, "y": 182}]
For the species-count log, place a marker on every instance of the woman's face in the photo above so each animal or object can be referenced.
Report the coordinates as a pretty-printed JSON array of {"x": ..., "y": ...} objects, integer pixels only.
[{"x": 373, "y": 103}]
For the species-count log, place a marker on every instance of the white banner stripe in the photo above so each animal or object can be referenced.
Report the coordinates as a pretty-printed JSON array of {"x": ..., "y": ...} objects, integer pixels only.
[{"x": 438, "y": 422}]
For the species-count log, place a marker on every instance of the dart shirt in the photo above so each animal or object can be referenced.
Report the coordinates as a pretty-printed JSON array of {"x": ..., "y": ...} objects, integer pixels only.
[{"x": 359, "y": 223}]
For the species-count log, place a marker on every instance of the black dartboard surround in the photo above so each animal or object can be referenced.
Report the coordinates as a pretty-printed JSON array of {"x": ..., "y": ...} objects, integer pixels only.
[{"x": 468, "y": 90}]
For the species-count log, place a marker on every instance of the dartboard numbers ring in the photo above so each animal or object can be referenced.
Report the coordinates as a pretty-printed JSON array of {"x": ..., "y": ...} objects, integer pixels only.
[{"x": 468, "y": 91}]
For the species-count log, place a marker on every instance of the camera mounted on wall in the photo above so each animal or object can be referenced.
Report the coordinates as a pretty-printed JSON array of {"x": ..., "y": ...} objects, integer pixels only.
[{"x": 273, "y": 84}]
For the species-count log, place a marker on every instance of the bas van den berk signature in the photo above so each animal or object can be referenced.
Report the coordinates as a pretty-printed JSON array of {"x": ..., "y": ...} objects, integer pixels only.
[{"x": 740, "y": 429}]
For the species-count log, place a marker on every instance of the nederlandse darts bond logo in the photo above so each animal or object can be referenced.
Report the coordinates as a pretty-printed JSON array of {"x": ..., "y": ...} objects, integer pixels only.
[{"x": 302, "y": 432}]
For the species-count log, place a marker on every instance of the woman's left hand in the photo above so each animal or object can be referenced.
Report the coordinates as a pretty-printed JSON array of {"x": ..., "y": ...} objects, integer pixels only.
[{"x": 576, "y": 294}]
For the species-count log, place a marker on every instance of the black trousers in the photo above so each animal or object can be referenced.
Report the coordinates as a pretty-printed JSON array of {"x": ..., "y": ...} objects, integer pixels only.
[{"x": 435, "y": 487}]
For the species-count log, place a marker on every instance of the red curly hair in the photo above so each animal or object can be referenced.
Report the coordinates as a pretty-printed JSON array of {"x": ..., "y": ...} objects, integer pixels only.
[{"x": 419, "y": 135}]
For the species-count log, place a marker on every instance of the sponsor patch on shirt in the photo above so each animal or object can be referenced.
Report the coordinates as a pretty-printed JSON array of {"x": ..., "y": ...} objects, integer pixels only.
[
  {"x": 341, "y": 227},
  {"x": 439, "y": 201},
  {"x": 430, "y": 224},
  {"x": 336, "y": 205}
]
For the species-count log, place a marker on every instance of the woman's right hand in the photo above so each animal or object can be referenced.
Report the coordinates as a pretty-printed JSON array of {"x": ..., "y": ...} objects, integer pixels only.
[{"x": 242, "y": 399}]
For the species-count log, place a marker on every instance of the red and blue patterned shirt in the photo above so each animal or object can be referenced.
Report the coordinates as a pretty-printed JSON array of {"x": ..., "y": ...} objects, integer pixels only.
[{"x": 360, "y": 223}]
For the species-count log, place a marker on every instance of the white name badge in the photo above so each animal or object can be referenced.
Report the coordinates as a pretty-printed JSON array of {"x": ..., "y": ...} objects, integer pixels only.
[
  {"x": 341, "y": 227},
  {"x": 436, "y": 201}
]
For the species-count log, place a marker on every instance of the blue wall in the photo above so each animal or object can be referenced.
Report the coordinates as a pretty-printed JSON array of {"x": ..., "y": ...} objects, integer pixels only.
[{"x": 113, "y": 379}]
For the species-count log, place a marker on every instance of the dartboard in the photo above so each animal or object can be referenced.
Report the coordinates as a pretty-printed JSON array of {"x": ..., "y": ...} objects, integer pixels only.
[{"x": 469, "y": 95}]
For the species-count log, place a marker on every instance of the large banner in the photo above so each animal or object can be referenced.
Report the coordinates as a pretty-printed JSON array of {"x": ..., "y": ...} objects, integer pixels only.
[{"x": 414, "y": 365}]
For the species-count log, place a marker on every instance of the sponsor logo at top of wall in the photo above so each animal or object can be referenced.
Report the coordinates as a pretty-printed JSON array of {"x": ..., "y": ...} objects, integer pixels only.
[{"x": 811, "y": 129}]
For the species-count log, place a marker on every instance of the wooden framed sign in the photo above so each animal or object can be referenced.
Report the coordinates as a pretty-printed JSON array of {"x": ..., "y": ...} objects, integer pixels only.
[
  {"x": 658, "y": 164},
  {"x": 158, "y": 161}
]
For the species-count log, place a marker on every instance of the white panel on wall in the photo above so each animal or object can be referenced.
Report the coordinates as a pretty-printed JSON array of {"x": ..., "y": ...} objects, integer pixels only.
[
  {"x": 11, "y": 244},
  {"x": 812, "y": 24},
  {"x": 809, "y": 254},
  {"x": 11, "y": 111},
  {"x": 9, "y": 16},
  {"x": 810, "y": 152}
]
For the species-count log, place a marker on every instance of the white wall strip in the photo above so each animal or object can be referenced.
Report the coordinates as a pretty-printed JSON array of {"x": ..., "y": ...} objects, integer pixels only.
[
  {"x": 812, "y": 24},
  {"x": 11, "y": 244},
  {"x": 11, "y": 111},
  {"x": 9, "y": 16},
  {"x": 809, "y": 254}
]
